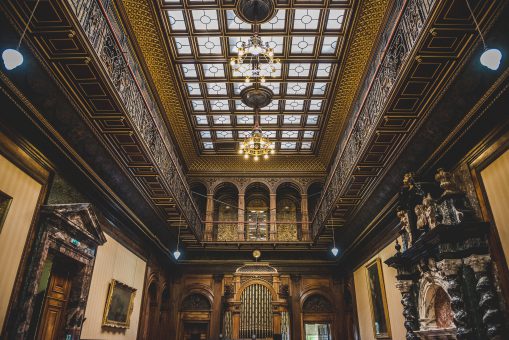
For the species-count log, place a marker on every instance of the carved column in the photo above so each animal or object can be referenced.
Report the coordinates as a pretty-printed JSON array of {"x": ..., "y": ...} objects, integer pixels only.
[
  {"x": 451, "y": 271},
  {"x": 305, "y": 217},
  {"x": 409, "y": 308},
  {"x": 209, "y": 217},
  {"x": 488, "y": 303},
  {"x": 240, "y": 216},
  {"x": 273, "y": 214}
]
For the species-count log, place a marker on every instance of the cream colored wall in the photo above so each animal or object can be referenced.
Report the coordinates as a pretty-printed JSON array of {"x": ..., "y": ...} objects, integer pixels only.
[
  {"x": 393, "y": 298},
  {"x": 496, "y": 182},
  {"x": 113, "y": 261},
  {"x": 25, "y": 192}
]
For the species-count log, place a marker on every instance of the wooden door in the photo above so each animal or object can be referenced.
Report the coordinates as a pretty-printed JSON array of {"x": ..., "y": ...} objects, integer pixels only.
[{"x": 53, "y": 311}]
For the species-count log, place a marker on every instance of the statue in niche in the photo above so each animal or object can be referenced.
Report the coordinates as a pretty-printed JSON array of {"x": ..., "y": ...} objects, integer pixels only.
[{"x": 421, "y": 217}]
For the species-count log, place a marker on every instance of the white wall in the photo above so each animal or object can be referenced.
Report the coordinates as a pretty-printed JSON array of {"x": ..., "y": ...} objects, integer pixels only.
[
  {"x": 25, "y": 192},
  {"x": 496, "y": 182},
  {"x": 394, "y": 305},
  {"x": 113, "y": 261}
]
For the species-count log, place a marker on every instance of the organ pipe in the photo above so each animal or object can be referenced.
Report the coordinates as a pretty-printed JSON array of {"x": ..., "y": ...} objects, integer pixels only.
[{"x": 256, "y": 312}]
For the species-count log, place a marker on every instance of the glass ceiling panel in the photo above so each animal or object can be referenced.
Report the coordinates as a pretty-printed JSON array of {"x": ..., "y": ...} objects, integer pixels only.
[
  {"x": 315, "y": 105},
  {"x": 312, "y": 120},
  {"x": 234, "y": 23},
  {"x": 198, "y": 105},
  {"x": 213, "y": 70},
  {"x": 290, "y": 134},
  {"x": 308, "y": 134},
  {"x": 201, "y": 120},
  {"x": 298, "y": 89},
  {"x": 319, "y": 88},
  {"x": 177, "y": 21},
  {"x": 221, "y": 119},
  {"x": 294, "y": 105},
  {"x": 306, "y": 19},
  {"x": 205, "y": 20},
  {"x": 305, "y": 145},
  {"x": 274, "y": 87},
  {"x": 219, "y": 105},
  {"x": 209, "y": 45},
  {"x": 299, "y": 70},
  {"x": 205, "y": 134},
  {"x": 277, "y": 22},
  {"x": 288, "y": 145},
  {"x": 303, "y": 45},
  {"x": 245, "y": 119},
  {"x": 189, "y": 71},
  {"x": 183, "y": 46},
  {"x": 268, "y": 119},
  {"x": 237, "y": 87},
  {"x": 224, "y": 134},
  {"x": 292, "y": 119},
  {"x": 194, "y": 89},
  {"x": 216, "y": 89},
  {"x": 335, "y": 19},
  {"x": 329, "y": 45},
  {"x": 323, "y": 70},
  {"x": 208, "y": 145}
]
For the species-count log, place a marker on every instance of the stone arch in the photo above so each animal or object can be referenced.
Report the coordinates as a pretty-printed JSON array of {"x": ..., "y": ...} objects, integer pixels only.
[
  {"x": 434, "y": 305},
  {"x": 219, "y": 185},
  {"x": 195, "y": 302},
  {"x": 291, "y": 183}
]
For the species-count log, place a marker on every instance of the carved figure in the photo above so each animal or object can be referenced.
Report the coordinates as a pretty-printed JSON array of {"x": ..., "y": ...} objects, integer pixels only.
[
  {"x": 405, "y": 225},
  {"x": 446, "y": 181},
  {"x": 421, "y": 217},
  {"x": 429, "y": 211}
]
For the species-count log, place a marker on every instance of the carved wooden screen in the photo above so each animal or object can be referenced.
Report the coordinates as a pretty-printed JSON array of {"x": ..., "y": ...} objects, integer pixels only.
[{"x": 256, "y": 312}]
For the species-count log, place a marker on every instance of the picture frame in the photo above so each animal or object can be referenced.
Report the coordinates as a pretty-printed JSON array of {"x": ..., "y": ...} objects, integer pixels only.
[
  {"x": 119, "y": 305},
  {"x": 378, "y": 300},
  {"x": 5, "y": 204}
]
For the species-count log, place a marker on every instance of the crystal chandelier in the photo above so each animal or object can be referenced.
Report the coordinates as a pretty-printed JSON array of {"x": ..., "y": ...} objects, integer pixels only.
[
  {"x": 256, "y": 145},
  {"x": 255, "y": 60}
]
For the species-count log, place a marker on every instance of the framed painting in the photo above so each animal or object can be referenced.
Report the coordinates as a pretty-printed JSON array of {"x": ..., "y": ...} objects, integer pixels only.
[
  {"x": 5, "y": 203},
  {"x": 377, "y": 300},
  {"x": 119, "y": 305}
]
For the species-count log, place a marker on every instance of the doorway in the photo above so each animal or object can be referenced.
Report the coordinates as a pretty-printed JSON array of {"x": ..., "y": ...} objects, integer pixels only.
[
  {"x": 51, "y": 304},
  {"x": 196, "y": 330},
  {"x": 317, "y": 331}
]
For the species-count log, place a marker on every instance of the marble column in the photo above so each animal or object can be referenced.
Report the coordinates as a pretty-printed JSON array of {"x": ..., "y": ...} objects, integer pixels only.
[
  {"x": 488, "y": 303},
  {"x": 209, "y": 218},
  {"x": 305, "y": 217},
  {"x": 409, "y": 308},
  {"x": 240, "y": 217},
  {"x": 273, "y": 215},
  {"x": 451, "y": 269}
]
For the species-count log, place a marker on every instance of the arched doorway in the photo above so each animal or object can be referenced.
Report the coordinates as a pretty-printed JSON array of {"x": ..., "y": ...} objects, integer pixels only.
[
  {"x": 226, "y": 213},
  {"x": 289, "y": 216},
  {"x": 317, "y": 318},
  {"x": 195, "y": 312},
  {"x": 257, "y": 212}
]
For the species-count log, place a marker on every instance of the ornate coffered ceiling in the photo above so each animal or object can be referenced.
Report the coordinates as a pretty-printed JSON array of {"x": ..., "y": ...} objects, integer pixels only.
[{"x": 325, "y": 46}]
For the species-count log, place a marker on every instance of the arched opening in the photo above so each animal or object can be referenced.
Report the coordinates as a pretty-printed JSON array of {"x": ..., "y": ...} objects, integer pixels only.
[
  {"x": 314, "y": 192},
  {"x": 164, "y": 312},
  {"x": 195, "y": 317},
  {"x": 152, "y": 310},
  {"x": 289, "y": 215},
  {"x": 226, "y": 213},
  {"x": 435, "y": 309},
  {"x": 318, "y": 317},
  {"x": 199, "y": 193},
  {"x": 257, "y": 212}
]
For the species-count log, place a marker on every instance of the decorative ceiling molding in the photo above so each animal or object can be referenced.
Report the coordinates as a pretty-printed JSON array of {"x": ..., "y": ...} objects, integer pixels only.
[{"x": 148, "y": 32}]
